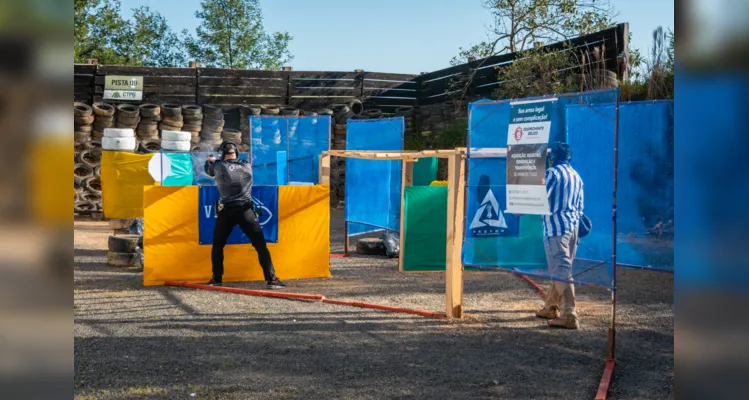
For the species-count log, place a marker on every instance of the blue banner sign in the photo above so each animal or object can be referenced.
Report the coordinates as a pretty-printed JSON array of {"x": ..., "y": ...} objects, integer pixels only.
[{"x": 266, "y": 200}]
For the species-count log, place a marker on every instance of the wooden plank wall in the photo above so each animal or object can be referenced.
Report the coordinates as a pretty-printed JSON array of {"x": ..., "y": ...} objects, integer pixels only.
[
  {"x": 231, "y": 88},
  {"x": 314, "y": 89}
]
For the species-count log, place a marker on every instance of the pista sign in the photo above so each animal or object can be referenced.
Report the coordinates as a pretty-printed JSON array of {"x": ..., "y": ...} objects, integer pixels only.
[{"x": 118, "y": 87}]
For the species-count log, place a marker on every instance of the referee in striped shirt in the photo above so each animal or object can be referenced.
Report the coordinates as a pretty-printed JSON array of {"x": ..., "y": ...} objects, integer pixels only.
[{"x": 564, "y": 188}]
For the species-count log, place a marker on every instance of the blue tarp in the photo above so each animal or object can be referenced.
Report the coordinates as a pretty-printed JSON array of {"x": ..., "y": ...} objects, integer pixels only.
[{"x": 373, "y": 187}]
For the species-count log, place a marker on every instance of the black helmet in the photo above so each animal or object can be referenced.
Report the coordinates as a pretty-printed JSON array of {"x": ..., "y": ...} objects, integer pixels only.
[{"x": 225, "y": 147}]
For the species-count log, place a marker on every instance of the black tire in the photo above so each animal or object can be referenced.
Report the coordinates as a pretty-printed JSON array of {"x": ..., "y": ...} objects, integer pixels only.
[
  {"x": 92, "y": 197},
  {"x": 126, "y": 126},
  {"x": 173, "y": 120},
  {"x": 104, "y": 118},
  {"x": 191, "y": 109},
  {"x": 195, "y": 139},
  {"x": 154, "y": 118},
  {"x": 84, "y": 128},
  {"x": 149, "y": 110},
  {"x": 92, "y": 184},
  {"x": 192, "y": 128},
  {"x": 370, "y": 246},
  {"x": 252, "y": 110},
  {"x": 89, "y": 158},
  {"x": 103, "y": 109},
  {"x": 325, "y": 111},
  {"x": 81, "y": 137},
  {"x": 171, "y": 110},
  {"x": 193, "y": 118},
  {"x": 270, "y": 110},
  {"x": 356, "y": 107},
  {"x": 148, "y": 126},
  {"x": 97, "y": 170},
  {"x": 100, "y": 126},
  {"x": 127, "y": 110},
  {"x": 168, "y": 127},
  {"x": 81, "y": 206},
  {"x": 213, "y": 119},
  {"x": 309, "y": 114},
  {"x": 123, "y": 243},
  {"x": 232, "y": 135},
  {"x": 77, "y": 184},
  {"x": 123, "y": 260},
  {"x": 373, "y": 113},
  {"x": 82, "y": 171},
  {"x": 95, "y": 146},
  {"x": 213, "y": 111},
  {"x": 81, "y": 109},
  {"x": 150, "y": 145},
  {"x": 83, "y": 120},
  {"x": 210, "y": 136},
  {"x": 121, "y": 119},
  {"x": 290, "y": 111}
]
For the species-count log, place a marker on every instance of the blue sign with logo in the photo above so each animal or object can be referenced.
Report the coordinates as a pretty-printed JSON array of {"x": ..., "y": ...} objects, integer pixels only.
[
  {"x": 485, "y": 217},
  {"x": 265, "y": 199}
]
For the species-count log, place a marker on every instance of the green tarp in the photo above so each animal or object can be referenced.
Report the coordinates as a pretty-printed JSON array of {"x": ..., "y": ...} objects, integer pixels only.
[
  {"x": 425, "y": 231},
  {"x": 425, "y": 171},
  {"x": 425, "y": 228}
]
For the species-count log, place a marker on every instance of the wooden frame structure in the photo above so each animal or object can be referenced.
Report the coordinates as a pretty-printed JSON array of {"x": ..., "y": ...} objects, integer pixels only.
[{"x": 455, "y": 209}]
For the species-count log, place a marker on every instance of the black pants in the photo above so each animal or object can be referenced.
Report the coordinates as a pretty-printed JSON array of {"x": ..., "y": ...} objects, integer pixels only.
[{"x": 227, "y": 219}]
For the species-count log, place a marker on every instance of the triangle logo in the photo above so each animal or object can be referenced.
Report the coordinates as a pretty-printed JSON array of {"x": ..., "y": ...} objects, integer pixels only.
[{"x": 489, "y": 218}]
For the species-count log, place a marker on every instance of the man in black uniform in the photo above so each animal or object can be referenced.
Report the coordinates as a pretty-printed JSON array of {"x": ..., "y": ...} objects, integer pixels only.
[{"x": 234, "y": 181}]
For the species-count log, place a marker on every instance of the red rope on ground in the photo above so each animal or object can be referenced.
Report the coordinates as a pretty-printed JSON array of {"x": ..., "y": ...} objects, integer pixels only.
[
  {"x": 338, "y": 255},
  {"x": 312, "y": 297},
  {"x": 603, "y": 387},
  {"x": 385, "y": 308}
]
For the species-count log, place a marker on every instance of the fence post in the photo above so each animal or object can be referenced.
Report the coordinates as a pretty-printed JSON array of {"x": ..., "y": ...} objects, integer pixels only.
[
  {"x": 455, "y": 216},
  {"x": 359, "y": 84}
]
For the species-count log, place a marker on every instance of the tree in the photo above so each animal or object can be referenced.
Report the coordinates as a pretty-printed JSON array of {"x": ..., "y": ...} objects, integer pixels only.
[
  {"x": 536, "y": 73},
  {"x": 520, "y": 25},
  {"x": 97, "y": 28},
  {"x": 152, "y": 43},
  {"x": 232, "y": 35},
  {"x": 100, "y": 32},
  {"x": 658, "y": 67}
]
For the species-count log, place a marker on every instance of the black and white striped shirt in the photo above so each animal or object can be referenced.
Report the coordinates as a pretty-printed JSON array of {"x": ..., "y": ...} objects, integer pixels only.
[{"x": 564, "y": 187}]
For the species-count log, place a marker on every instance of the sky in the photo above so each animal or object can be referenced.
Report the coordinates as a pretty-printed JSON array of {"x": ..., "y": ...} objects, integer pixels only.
[{"x": 397, "y": 36}]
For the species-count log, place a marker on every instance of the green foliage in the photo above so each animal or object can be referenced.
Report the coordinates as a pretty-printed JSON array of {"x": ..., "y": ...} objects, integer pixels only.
[
  {"x": 536, "y": 73},
  {"x": 100, "y": 32},
  {"x": 231, "y": 35},
  {"x": 452, "y": 135},
  {"x": 521, "y": 25}
]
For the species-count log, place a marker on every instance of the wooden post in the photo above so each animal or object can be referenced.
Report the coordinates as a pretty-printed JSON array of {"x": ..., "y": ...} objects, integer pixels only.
[
  {"x": 454, "y": 264},
  {"x": 407, "y": 178},
  {"x": 323, "y": 170}
]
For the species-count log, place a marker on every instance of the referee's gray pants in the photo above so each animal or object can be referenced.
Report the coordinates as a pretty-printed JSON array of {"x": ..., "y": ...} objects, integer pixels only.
[{"x": 560, "y": 254}]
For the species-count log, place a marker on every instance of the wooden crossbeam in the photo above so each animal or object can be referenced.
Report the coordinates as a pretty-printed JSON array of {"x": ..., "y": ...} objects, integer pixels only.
[{"x": 394, "y": 155}]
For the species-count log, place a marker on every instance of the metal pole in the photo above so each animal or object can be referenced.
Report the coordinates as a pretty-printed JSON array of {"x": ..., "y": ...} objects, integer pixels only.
[{"x": 612, "y": 328}]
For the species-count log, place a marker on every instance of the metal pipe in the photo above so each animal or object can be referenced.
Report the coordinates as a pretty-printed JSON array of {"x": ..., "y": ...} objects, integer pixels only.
[{"x": 610, "y": 351}]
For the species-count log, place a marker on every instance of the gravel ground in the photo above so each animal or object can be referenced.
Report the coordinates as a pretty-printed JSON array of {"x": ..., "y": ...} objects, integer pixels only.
[{"x": 133, "y": 342}]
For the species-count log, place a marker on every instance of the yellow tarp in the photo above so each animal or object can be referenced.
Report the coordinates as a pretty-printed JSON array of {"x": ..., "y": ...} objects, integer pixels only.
[
  {"x": 123, "y": 176},
  {"x": 50, "y": 162},
  {"x": 172, "y": 251}
]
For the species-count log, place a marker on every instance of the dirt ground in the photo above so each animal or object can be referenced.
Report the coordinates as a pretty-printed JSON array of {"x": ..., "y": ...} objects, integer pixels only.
[{"x": 133, "y": 342}]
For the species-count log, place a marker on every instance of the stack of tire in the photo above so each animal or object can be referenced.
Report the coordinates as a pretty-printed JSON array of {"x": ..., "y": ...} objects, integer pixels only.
[
  {"x": 128, "y": 117},
  {"x": 119, "y": 139},
  {"x": 176, "y": 141},
  {"x": 82, "y": 120},
  {"x": 103, "y": 119},
  {"x": 192, "y": 116},
  {"x": 148, "y": 128},
  {"x": 213, "y": 126},
  {"x": 171, "y": 118},
  {"x": 86, "y": 180},
  {"x": 270, "y": 110},
  {"x": 372, "y": 113},
  {"x": 244, "y": 121},
  {"x": 339, "y": 137},
  {"x": 337, "y": 180},
  {"x": 122, "y": 250}
]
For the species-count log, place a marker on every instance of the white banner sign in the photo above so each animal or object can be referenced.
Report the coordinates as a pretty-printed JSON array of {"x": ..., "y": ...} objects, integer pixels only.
[{"x": 527, "y": 140}]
